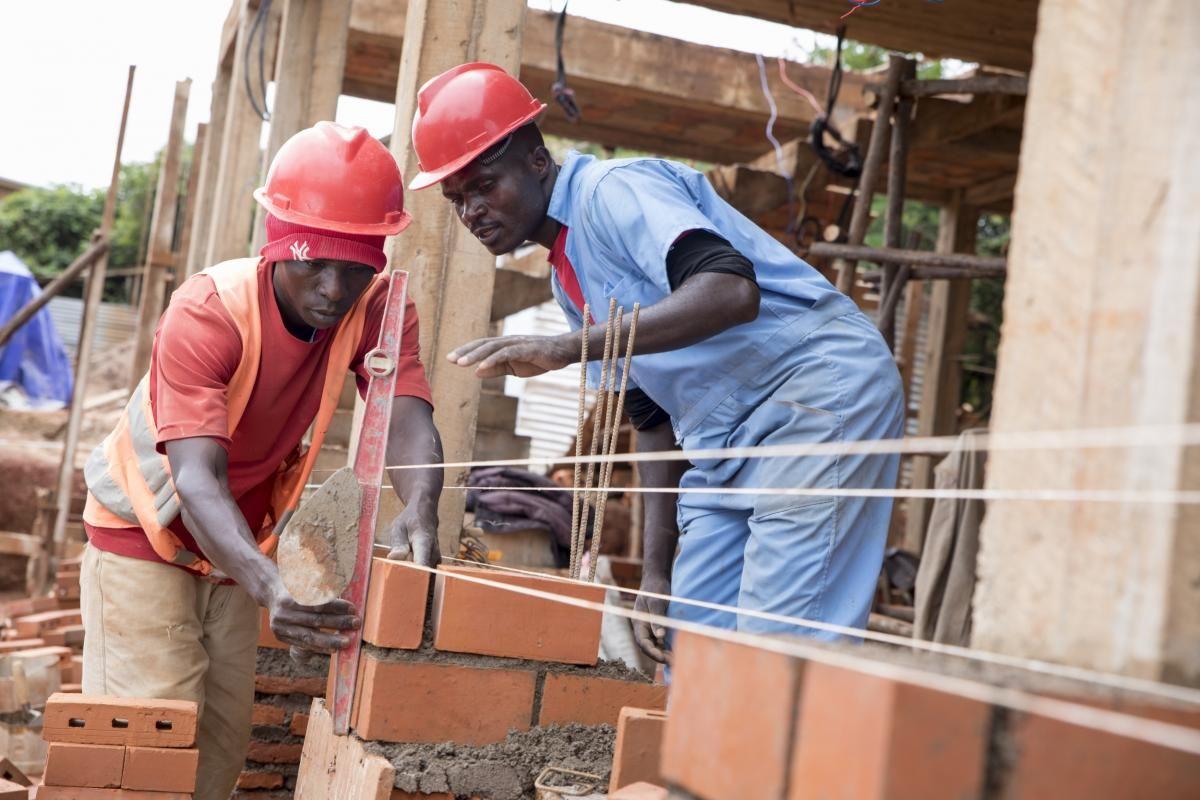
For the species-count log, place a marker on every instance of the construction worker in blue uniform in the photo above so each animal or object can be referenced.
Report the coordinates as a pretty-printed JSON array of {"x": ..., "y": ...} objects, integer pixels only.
[{"x": 739, "y": 344}]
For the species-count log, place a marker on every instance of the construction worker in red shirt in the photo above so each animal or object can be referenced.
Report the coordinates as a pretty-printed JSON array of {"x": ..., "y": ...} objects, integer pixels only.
[{"x": 184, "y": 494}]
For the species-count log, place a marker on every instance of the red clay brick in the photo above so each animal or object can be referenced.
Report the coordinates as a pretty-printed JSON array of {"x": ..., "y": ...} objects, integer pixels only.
[
  {"x": 280, "y": 684},
  {"x": 906, "y": 742},
  {"x": 13, "y": 791},
  {"x": 402, "y": 701},
  {"x": 729, "y": 734},
  {"x": 160, "y": 769},
  {"x": 66, "y": 636},
  {"x": 72, "y": 671},
  {"x": 33, "y": 625},
  {"x": 71, "y": 793},
  {"x": 260, "y": 780},
  {"x": 638, "y": 751},
  {"x": 26, "y": 606},
  {"x": 396, "y": 600},
  {"x": 472, "y": 618},
  {"x": 640, "y": 791},
  {"x": 299, "y": 724},
  {"x": 1054, "y": 759},
  {"x": 119, "y": 720},
  {"x": 594, "y": 701},
  {"x": 11, "y": 773},
  {"x": 265, "y": 636},
  {"x": 96, "y": 765},
  {"x": 274, "y": 752},
  {"x": 264, "y": 714},
  {"x": 14, "y": 645}
]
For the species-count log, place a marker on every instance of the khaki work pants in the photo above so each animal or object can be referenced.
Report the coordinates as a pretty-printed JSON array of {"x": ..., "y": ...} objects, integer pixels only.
[{"x": 153, "y": 630}]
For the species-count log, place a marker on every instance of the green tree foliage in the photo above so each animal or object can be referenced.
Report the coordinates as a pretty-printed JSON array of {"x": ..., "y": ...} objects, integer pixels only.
[{"x": 49, "y": 227}]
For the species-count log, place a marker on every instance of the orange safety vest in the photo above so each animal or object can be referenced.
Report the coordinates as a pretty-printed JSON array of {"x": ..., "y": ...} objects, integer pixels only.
[{"x": 129, "y": 481}]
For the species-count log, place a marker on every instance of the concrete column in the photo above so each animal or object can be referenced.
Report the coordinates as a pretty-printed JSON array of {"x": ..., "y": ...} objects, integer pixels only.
[
  {"x": 1101, "y": 328},
  {"x": 452, "y": 274}
]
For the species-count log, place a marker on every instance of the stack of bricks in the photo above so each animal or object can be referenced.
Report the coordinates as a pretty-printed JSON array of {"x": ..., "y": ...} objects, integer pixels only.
[
  {"x": 110, "y": 748},
  {"x": 746, "y": 722},
  {"x": 479, "y": 663},
  {"x": 283, "y": 691},
  {"x": 41, "y": 642}
]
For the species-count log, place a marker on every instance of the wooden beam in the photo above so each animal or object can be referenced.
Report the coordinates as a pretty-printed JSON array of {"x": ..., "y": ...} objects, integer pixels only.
[
  {"x": 974, "y": 84},
  {"x": 516, "y": 291},
  {"x": 452, "y": 273},
  {"x": 196, "y": 256},
  {"x": 83, "y": 353},
  {"x": 638, "y": 90},
  {"x": 162, "y": 237},
  {"x": 188, "y": 216},
  {"x": 961, "y": 264},
  {"x": 992, "y": 192},
  {"x": 1000, "y": 35},
  {"x": 308, "y": 76},
  {"x": 238, "y": 165},
  {"x": 939, "y": 121},
  {"x": 944, "y": 340}
]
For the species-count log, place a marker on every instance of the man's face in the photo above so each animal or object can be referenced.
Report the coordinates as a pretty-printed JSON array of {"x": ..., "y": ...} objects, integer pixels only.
[
  {"x": 502, "y": 204},
  {"x": 319, "y": 293}
]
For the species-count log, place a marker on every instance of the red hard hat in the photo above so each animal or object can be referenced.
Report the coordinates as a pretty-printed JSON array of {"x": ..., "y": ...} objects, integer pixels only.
[
  {"x": 462, "y": 113},
  {"x": 336, "y": 178}
]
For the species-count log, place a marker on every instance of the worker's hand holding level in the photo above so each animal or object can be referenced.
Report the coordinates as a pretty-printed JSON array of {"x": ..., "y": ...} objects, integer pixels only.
[
  {"x": 414, "y": 535},
  {"x": 314, "y": 628},
  {"x": 522, "y": 356}
]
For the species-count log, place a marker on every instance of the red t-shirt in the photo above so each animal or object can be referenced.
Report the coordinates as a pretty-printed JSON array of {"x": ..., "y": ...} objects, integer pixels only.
[{"x": 197, "y": 348}]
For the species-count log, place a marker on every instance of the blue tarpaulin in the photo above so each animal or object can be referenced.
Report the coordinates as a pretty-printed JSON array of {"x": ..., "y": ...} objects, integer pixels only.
[{"x": 34, "y": 358}]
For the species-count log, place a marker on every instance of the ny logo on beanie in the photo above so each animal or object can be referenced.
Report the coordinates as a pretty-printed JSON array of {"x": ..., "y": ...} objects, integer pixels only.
[{"x": 300, "y": 251}]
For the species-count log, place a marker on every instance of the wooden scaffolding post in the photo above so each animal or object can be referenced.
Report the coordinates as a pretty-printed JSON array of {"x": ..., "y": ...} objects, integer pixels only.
[
  {"x": 160, "y": 253},
  {"x": 83, "y": 354},
  {"x": 942, "y": 382},
  {"x": 860, "y": 219},
  {"x": 189, "y": 206},
  {"x": 313, "y": 37},
  {"x": 453, "y": 274},
  {"x": 237, "y": 167},
  {"x": 895, "y": 277},
  {"x": 196, "y": 257}
]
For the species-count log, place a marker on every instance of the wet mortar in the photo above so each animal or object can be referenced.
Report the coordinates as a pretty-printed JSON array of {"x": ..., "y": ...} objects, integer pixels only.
[
  {"x": 618, "y": 670},
  {"x": 273, "y": 661},
  {"x": 502, "y": 771}
]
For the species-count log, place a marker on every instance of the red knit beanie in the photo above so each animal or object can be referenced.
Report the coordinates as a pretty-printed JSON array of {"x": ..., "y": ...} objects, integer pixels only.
[{"x": 289, "y": 242}]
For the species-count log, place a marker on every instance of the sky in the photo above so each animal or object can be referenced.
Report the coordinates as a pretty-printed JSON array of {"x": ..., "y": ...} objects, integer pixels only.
[{"x": 63, "y": 68}]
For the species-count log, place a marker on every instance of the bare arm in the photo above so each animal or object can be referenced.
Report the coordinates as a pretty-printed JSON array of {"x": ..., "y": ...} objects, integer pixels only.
[
  {"x": 200, "y": 469},
  {"x": 660, "y": 534},
  {"x": 703, "y": 306},
  {"x": 413, "y": 439}
]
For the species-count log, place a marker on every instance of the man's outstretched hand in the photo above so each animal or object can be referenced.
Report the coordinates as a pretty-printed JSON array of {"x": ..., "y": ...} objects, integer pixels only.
[{"x": 522, "y": 356}]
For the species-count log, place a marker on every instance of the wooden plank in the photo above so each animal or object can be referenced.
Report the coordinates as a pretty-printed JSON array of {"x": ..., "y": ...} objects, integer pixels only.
[
  {"x": 639, "y": 90},
  {"x": 308, "y": 76},
  {"x": 162, "y": 235},
  {"x": 939, "y": 120},
  {"x": 1000, "y": 34},
  {"x": 945, "y": 337},
  {"x": 515, "y": 291},
  {"x": 453, "y": 274},
  {"x": 339, "y": 766},
  {"x": 21, "y": 544},
  {"x": 237, "y": 167},
  {"x": 196, "y": 256},
  {"x": 83, "y": 354},
  {"x": 189, "y": 205}
]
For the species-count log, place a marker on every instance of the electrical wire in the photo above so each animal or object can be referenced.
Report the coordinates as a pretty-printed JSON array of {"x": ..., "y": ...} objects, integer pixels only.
[{"x": 770, "y": 131}]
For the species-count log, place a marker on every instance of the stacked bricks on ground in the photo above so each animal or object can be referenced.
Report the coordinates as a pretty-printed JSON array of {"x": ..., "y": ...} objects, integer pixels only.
[
  {"x": 41, "y": 645},
  {"x": 119, "y": 748},
  {"x": 474, "y": 693},
  {"x": 746, "y": 722},
  {"x": 283, "y": 692}
]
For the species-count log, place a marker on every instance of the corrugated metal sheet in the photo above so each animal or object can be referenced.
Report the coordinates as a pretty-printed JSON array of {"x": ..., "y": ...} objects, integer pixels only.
[
  {"x": 114, "y": 324},
  {"x": 548, "y": 405}
]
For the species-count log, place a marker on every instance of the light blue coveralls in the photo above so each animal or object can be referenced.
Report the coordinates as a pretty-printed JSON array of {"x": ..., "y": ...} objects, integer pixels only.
[{"x": 810, "y": 368}]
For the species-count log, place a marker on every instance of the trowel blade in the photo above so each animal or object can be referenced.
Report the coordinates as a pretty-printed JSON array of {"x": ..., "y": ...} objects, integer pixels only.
[{"x": 318, "y": 548}]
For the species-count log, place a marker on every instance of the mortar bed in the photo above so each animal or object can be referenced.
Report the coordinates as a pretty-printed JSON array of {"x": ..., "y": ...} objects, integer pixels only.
[{"x": 502, "y": 771}]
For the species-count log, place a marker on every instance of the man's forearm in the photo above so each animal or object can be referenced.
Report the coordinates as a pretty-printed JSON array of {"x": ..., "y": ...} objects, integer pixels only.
[
  {"x": 215, "y": 521},
  {"x": 413, "y": 439},
  {"x": 705, "y": 305},
  {"x": 660, "y": 532}
]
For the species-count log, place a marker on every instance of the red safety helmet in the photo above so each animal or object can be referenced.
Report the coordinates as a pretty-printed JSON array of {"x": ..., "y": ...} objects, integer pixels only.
[
  {"x": 462, "y": 113},
  {"x": 336, "y": 178}
]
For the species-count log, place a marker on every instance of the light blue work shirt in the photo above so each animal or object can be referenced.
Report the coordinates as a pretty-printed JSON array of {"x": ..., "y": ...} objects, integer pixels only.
[{"x": 623, "y": 217}]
